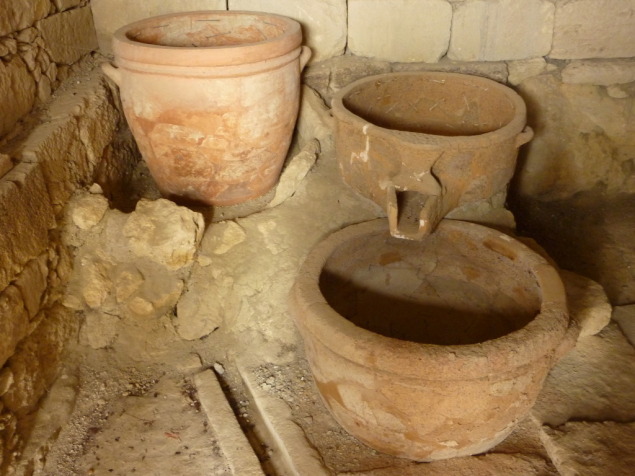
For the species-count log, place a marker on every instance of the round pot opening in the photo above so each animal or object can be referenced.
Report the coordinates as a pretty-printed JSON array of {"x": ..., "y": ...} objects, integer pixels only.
[
  {"x": 442, "y": 104},
  {"x": 210, "y": 30},
  {"x": 447, "y": 289}
]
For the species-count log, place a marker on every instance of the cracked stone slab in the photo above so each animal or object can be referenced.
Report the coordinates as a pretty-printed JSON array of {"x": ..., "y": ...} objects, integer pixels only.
[
  {"x": 240, "y": 456},
  {"x": 595, "y": 381},
  {"x": 592, "y": 449}
]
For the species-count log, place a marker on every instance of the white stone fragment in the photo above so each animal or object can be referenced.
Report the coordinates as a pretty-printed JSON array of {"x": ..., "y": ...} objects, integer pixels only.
[
  {"x": 222, "y": 237},
  {"x": 599, "y": 72},
  {"x": 402, "y": 30},
  {"x": 594, "y": 29},
  {"x": 485, "y": 30},
  {"x": 164, "y": 232},
  {"x": 294, "y": 172},
  {"x": 588, "y": 303},
  {"x": 88, "y": 210}
]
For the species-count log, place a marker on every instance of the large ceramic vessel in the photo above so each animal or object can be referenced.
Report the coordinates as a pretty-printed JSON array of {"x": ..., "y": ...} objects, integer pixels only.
[
  {"x": 423, "y": 143},
  {"x": 211, "y": 98},
  {"x": 430, "y": 349}
]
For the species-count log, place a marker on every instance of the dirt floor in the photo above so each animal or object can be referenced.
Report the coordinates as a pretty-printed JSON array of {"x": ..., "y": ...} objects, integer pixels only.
[{"x": 133, "y": 406}]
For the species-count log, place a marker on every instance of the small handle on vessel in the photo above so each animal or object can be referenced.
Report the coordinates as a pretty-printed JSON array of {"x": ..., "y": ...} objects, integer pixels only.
[
  {"x": 525, "y": 136},
  {"x": 305, "y": 56},
  {"x": 112, "y": 72}
]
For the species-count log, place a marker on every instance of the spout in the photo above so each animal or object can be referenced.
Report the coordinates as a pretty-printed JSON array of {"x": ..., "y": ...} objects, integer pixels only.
[{"x": 412, "y": 215}]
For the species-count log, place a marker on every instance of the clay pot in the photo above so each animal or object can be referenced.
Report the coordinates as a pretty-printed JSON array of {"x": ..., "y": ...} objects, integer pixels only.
[
  {"x": 429, "y": 349},
  {"x": 421, "y": 144},
  {"x": 211, "y": 98}
]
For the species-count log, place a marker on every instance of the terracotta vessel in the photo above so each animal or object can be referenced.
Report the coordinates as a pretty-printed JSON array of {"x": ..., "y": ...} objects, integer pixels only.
[
  {"x": 211, "y": 98},
  {"x": 421, "y": 144},
  {"x": 429, "y": 349}
]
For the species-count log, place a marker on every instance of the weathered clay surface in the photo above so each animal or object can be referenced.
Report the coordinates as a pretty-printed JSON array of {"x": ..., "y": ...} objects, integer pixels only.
[
  {"x": 462, "y": 387},
  {"x": 587, "y": 303},
  {"x": 421, "y": 144},
  {"x": 218, "y": 149}
]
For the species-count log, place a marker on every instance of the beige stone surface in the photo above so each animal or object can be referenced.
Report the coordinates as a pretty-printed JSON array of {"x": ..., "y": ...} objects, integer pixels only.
[
  {"x": 17, "y": 93},
  {"x": 19, "y": 14},
  {"x": 164, "y": 232},
  {"x": 323, "y": 21},
  {"x": 584, "y": 139},
  {"x": 588, "y": 303},
  {"x": 600, "y": 72},
  {"x": 525, "y": 69},
  {"x": 14, "y": 322},
  {"x": 592, "y": 448},
  {"x": 110, "y": 15},
  {"x": 35, "y": 363},
  {"x": 314, "y": 120},
  {"x": 99, "y": 329},
  {"x": 25, "y": 219},
  {"x": 594, "y": 382},
  {"x": 62, "y": 5},
  {"x": 402, "y": 30},
  {"x": 594, "y": 29},
  {"x": 32, "y": 283},
  {"x": 233, "y": 442},
  {"x": 625, "y": 317},
  {"x": 69, "y": 35},
  {"x": 88, "y": 210},
  {"x": 294, "y": 172},
  {"x": 485, "y": 30}
]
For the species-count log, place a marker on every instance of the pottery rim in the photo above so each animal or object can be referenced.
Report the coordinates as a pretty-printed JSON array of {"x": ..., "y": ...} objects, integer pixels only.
[
  {"x": 225, "y": 55},
  {"x": 509, "y": 130},
  {"x": 549, "y": 330}
]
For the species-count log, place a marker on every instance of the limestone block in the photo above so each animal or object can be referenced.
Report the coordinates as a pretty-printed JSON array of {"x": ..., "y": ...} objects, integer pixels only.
[
  {"x": 110, "y": 15},
  {"x": 400, "y": 30},
  {"x": 584, "y": 139},
  {"x": 484, "y": 30},
  {"x": 25, "y": 218},
  {"x": 88, "y": 210},
  {"x": 6, "y": 380},
  {"x": 164, "y": 232},
  {"x": 587, "y": 302},
  {"x": 51, "y": 145},
  {"x": 594, "y": 29},
  {"x": 222, "y": 237},
  {"x": 323, "y": 21},
  {"x": 19, "y": 14},
  {"x": 32, "y": 283},
  {"x": 600, "y": 72},
  {"x": 14, "y": 322},
  {"x": 36, "y": 361},
  {"x": 69, "y": 35},
  {"x": 157, "y": 294},
  {"x": 591, "y": 448},
  {"x": 17, "y": 92}
]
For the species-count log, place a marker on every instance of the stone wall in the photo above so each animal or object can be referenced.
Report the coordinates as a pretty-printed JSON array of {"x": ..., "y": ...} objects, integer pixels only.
[{"x": 58, "y": 121}]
